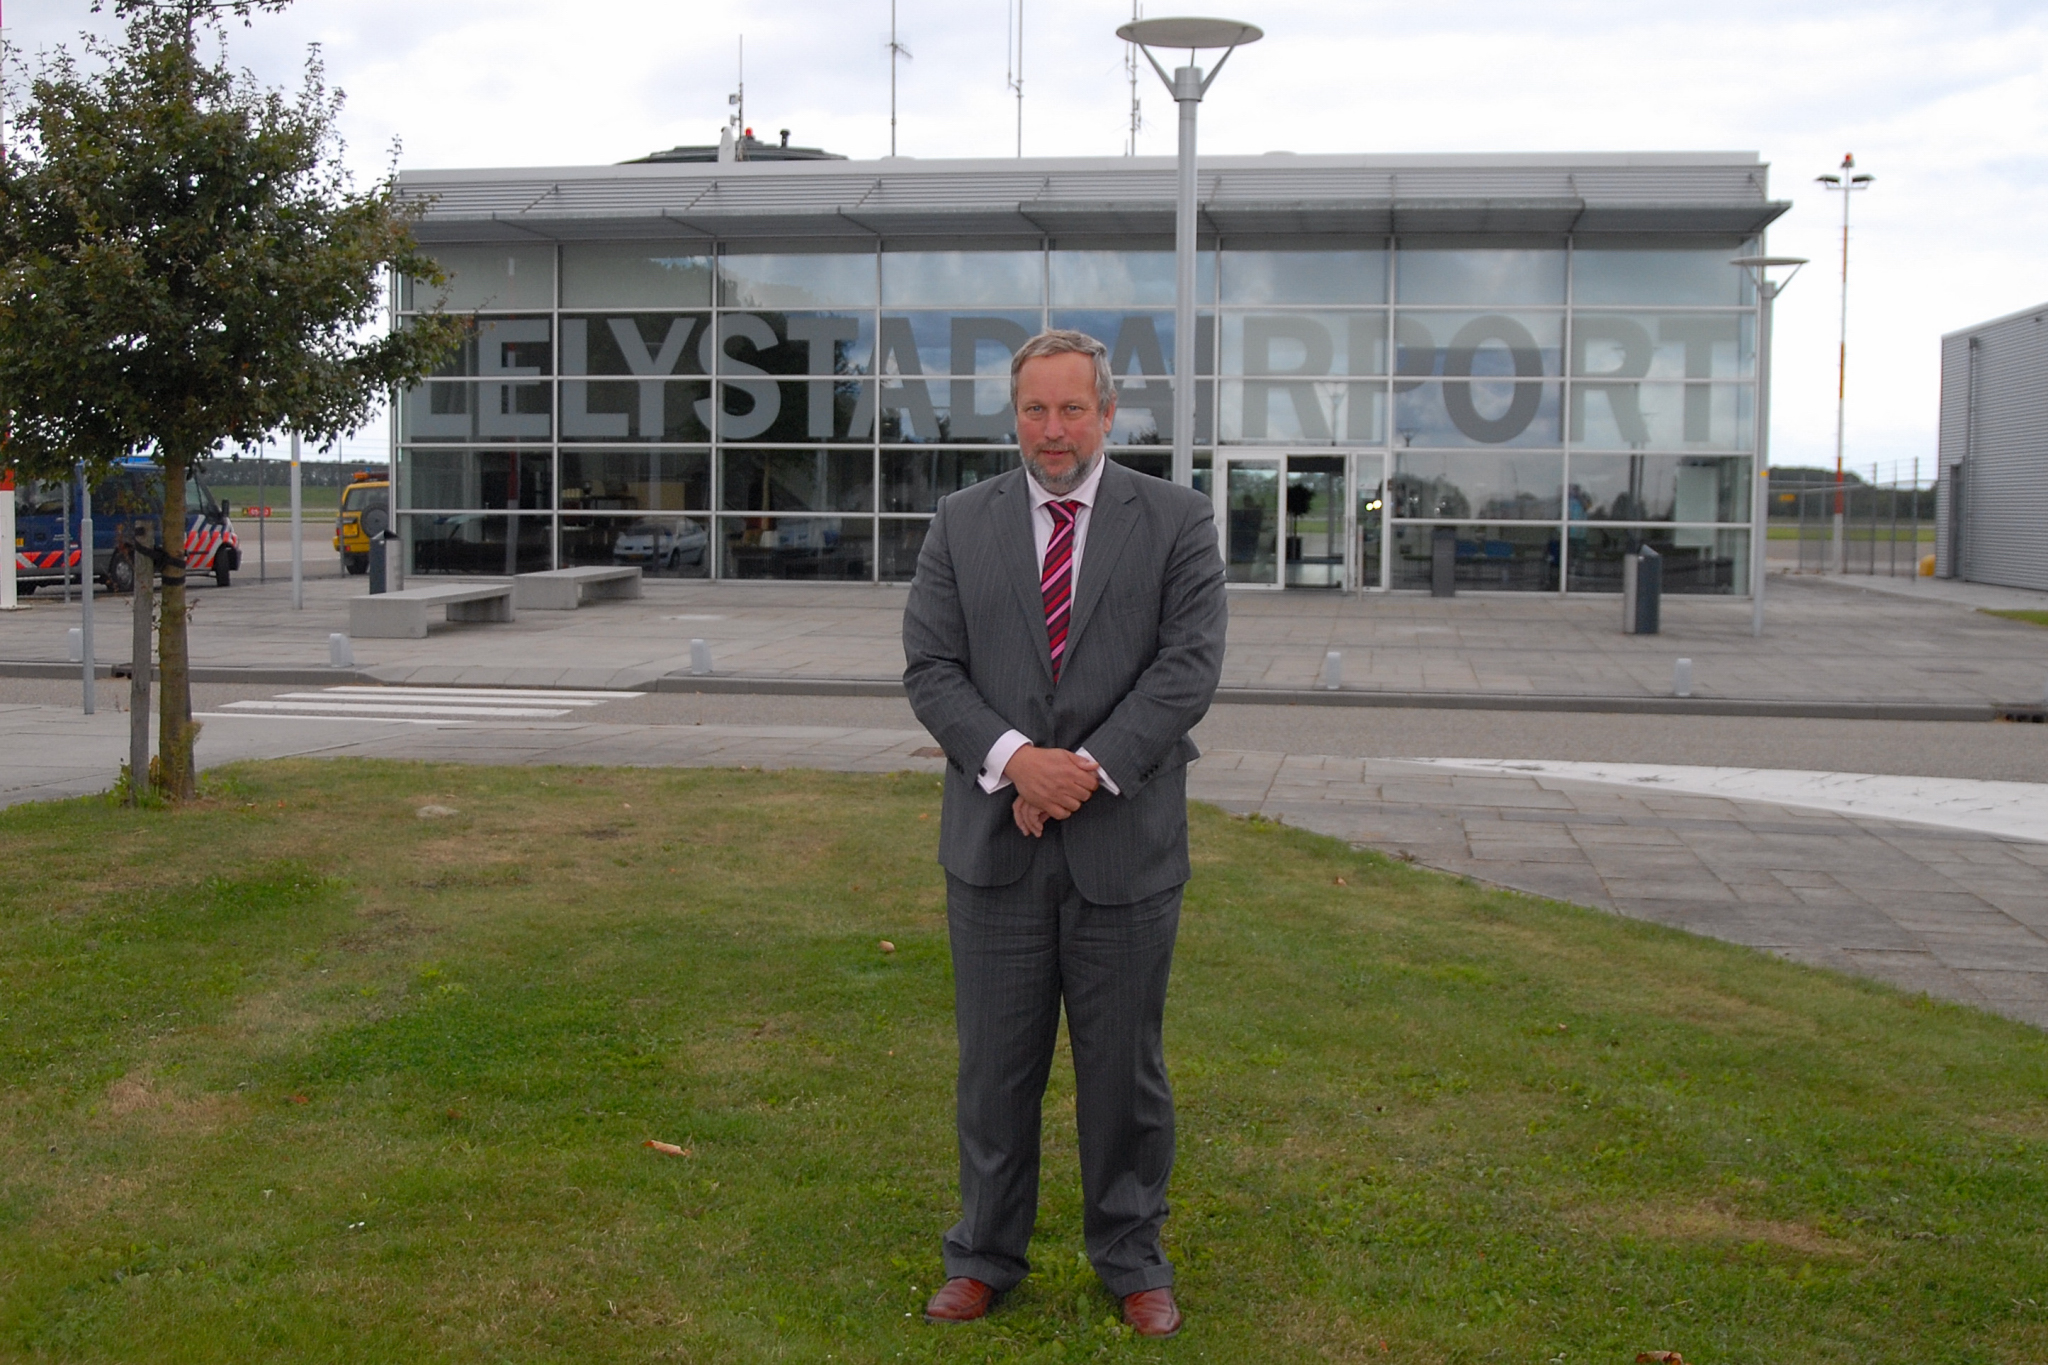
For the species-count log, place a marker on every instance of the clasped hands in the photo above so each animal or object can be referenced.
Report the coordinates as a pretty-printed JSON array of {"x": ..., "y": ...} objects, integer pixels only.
[{"x": 1051, "y": 785}]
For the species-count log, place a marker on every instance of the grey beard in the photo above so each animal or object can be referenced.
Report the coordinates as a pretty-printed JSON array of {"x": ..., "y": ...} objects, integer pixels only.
[{"x": 1067, "y": 483}]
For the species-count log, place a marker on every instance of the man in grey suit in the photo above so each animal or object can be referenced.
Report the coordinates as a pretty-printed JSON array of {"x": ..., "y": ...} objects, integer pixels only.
[{"x": 1064, "y": 633}]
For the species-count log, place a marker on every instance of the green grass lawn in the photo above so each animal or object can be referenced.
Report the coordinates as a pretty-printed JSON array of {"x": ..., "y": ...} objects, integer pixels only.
[
  {"x": 1822, "y": 531},
  {"x": 2032, "y": 618},
  {"x": 296, "y": 1074},
  {"x": 315, "y": 504}
]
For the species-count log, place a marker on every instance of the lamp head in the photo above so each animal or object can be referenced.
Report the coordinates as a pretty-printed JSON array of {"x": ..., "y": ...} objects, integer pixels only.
[
  {"x": 1828, "y": 179},
  {"x": 1192, "y": 34},
  {"x": 1861, "y": 179}
]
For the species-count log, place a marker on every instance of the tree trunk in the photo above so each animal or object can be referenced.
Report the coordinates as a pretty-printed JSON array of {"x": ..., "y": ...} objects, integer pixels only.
[
  {"x": 175, "y": 732},
  {"x": 143, "y": 606}
]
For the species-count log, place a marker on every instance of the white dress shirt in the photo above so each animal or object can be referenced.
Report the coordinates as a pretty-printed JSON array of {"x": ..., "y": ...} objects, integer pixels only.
[{"x": 992, "y": 778}]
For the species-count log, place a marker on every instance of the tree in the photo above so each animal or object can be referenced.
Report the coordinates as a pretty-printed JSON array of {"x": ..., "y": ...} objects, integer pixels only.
[{"x": 184, "y": 263}]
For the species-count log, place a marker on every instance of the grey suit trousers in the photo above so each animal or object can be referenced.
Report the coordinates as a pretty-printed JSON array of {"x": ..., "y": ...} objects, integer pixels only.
[{"x": 1019, "y": 952}]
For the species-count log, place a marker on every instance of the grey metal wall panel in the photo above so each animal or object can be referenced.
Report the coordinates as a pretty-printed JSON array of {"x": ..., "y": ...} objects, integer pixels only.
[{"x": 1994, "y": 419}]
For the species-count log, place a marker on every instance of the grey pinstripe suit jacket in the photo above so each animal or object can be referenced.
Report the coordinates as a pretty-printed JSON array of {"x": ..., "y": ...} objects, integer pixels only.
[{"x": 1144, "y": 652}]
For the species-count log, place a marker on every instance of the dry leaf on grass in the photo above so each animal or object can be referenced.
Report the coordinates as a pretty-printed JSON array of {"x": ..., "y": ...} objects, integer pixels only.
[
  {"x": 887, "y": 946},
  {"x": 1659, "y": 1358},
  {"x": 666, "y": 1148}
]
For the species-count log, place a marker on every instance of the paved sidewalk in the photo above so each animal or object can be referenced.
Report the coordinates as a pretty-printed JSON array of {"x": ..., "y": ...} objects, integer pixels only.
[{"x": 1827, "y": 643}]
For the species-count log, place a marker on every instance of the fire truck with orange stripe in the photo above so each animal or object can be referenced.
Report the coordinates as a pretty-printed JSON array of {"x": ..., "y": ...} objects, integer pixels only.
[{"x": 46, "y": 528}]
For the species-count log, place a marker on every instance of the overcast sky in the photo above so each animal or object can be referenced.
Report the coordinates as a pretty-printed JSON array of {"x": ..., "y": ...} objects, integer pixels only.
[{"x": 1943, "y": 103}]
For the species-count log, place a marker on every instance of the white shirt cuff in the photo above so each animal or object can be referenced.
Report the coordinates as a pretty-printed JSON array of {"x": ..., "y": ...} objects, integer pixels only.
[
  {"x": 992, "y": 779},
  {"x": 1101, "y": 773}
]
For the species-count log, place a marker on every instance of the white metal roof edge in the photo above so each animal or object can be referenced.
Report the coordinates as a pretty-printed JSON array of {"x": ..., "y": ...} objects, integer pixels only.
[{"x": 2036, "y": 311}]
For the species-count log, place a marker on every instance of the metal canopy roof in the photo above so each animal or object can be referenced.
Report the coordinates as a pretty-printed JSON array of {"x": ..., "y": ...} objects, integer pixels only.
[{"x": 1275, "y": 195}]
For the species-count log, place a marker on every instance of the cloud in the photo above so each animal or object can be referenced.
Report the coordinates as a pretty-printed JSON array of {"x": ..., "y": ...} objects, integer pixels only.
[{"x": 1944, "y": 104}]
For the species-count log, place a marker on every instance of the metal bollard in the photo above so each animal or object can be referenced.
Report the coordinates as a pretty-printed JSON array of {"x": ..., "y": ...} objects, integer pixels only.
[
  {"x": 700, "y": 659},
  {"x": 1333, "y": 670},
  {"x": 339, "y": 652},
  {"x": 1681, "y": 678},
  {"x": 74, "y": 645}
]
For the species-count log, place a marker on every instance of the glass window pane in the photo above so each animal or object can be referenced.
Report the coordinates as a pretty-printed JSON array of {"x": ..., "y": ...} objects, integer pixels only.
[
  {"x": 1251, "y": 509},
  {"x": 635, "y": 480},
  {"x": 915, "y": 480},
  {"x": 1300, "y": 411},
  {"x": 1658, "y": 488},
  {"x": 1157, "y": 463},
  {"x": 475, "y": 543},
  {"x": 461, "y": 410},
  {"x": 661, "y": 547},
  {"x": 1695, "y": 562},
  {"x": 796, "y": 547},
  {"x": 643, "y": 343},
  {"x": 490, "y": 277},
  {"x": 1498, "y": 558},
  {"x": 1461, "y": 345},
  {"x": 1001, "y": 278},
  {"x": 1325, "y": 277},
  {"x": 954, "y": 343},
  {"x": 1452, "y": 487},
  {"x": 1661, "y": 276},
  {"x": 502, "y": 346},
  {"x": 1124, "y": 279},
  {"x": 818, "y": 480},
  {"x": 461, "y": 480},
  {"x": 1489, "y": 276},
  {"x": 822, "y": 281},
  {"x": 1666, "y": 346},
  {"x": 1617, "y": 416},
  {"x": 897, "y": 549},
  {"x": 636, "y": 409},
  {"x": 1144, "y": 412},
  {"x": 1479, "y": 412},
  {"x": 1312, "y": 344},
  {"x": 1141, "y": 343},
  {"x": 633, "y": 275}
]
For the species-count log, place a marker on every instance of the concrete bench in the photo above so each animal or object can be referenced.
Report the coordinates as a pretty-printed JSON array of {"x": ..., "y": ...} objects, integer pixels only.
[
  {"x": 568, "y": 589},
  {"x": 404, "y": 615}
]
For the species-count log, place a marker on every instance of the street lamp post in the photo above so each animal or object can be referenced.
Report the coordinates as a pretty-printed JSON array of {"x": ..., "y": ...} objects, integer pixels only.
[
  {"x": 1767, "y": 291},
  {"x": 1847, "y": 184},
  {"x": 1187, "y": 85}
]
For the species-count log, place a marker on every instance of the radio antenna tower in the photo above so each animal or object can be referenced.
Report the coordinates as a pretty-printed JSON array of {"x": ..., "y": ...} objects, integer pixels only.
[
  {"x": 896, "y": 50},
  {"x": 1013, "y": 48},
  {"x": 1131, "y": 70}
]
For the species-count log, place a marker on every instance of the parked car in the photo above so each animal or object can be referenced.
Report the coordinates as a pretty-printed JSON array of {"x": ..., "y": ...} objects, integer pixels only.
[
  {"x": 662, "y": 546},
  {"x": 351, "y": 532}
]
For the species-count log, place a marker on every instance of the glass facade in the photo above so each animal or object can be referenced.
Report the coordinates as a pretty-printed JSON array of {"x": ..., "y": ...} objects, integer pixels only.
[{"x": 778, "y": 414}]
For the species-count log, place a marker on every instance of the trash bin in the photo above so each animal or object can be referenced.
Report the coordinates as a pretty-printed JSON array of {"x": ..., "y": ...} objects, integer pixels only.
[
  {"x": 1642, "y": 591},
  {"x": 1443, "y": 562}
]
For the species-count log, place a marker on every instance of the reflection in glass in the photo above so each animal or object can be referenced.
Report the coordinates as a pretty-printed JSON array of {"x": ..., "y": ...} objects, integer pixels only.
[
  {"x": 1478, "y": 412},
  {"x": 915, "y": 480},
  {"x": 1124, "y": 279},
  {"x": 793, "y": 281},
  {"x": 462, "y": 410},
  {"x": 1144, "y": 412},
  {"x": 1704, "y": 563},
  {"x": 1658, "y": 488},
  {"x": 437, "y": 477},
  {"x": 1372, "y": 516},
  {"x": 630, "y": 409},
  {"x": 1492, "y": 276},
  {"x": 999, "y": 278},
  {"x": 796, "y": 547},
  {"x": 660, "y": 547},
  {"x": 1627, "y": 416},
  {"x": 1325, "y": 277},
  {"x": 827, "y": 480},
  {"x": 1670, "y": 346},
  {"x": 1478, "y": 345},
  {"x": 1304, "y": 343},
  {"x": 489, "y": 277},
  {"x": 633, "y": 275},
  {"x": 635, "y": 480},
  {"x": 1141, "y": 343},
  {"x": 1319, "y": 412},
  {"x": 897, "y": 549},
  {"x": 1656, "y": 275},
  {"x": 652, "y": 344},
  {"x": 1251, "y": 509},
  {"x": 475, "y": 543},
  {"x": 1157, "y": 464},
  {"x": 1519, "y": 487},
  {"x": 501, "y": 346},
  {"x": 1503, "y": 558},
  {"x": 954, "y": 343},
  {"x": 1315, "y": 522}
]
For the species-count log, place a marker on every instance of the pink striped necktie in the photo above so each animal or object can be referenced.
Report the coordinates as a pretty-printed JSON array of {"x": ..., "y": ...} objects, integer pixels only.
[{"x": 1056, "y": 579}]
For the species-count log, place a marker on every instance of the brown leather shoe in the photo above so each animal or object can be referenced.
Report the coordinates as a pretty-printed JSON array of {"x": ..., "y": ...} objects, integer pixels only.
[
  {"x": 959, "y": 1300},
  {"x": 1152, "y": 1313}
]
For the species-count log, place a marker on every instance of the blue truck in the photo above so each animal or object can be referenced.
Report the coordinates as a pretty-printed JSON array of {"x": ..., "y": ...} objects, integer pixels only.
[{"x": 46, "y": 544}]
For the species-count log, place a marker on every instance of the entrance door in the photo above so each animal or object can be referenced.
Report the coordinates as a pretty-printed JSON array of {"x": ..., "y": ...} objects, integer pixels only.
[{"x": 1302, "y": 519}]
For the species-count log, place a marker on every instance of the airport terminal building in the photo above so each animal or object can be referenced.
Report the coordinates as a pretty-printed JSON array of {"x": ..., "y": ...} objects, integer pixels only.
[{"x": 773, "y": 369}]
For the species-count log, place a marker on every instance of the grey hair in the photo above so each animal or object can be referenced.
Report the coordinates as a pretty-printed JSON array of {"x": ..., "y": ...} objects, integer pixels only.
[{"x": 1061, "y": 342}]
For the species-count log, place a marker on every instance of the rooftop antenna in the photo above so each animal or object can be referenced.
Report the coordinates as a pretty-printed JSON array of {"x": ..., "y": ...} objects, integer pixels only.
[
  {"x": 1013, "y": 48},
  {"x": 1131, "y": 70},
  {"x": 896, "y": 49},
  {"x": 736, "y": 122}
]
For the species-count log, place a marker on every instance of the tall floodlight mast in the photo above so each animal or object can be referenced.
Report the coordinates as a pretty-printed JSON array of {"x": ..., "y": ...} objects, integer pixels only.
[
  {"x": 1131, "y": 73},
  {"x": 1847, "y": 184},
  {"x": 1188, "y": 86},
  {"x": 896, "y": 49},
  {"x": 1013, "y": 48}
]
